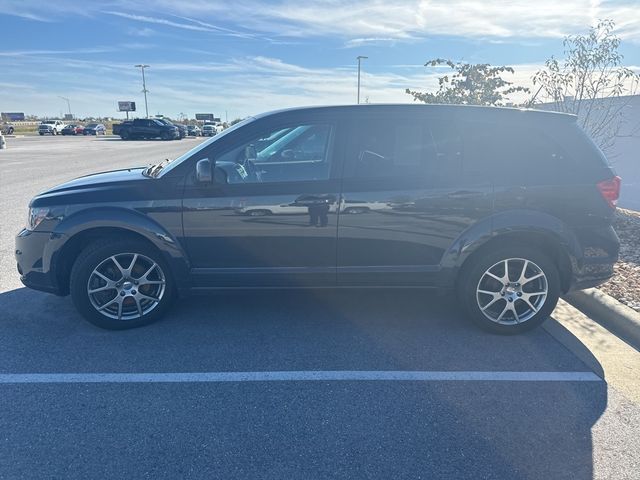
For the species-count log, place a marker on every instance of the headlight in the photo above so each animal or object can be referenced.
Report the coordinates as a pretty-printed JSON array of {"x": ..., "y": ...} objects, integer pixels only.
[{"x": 36, "y": 216}]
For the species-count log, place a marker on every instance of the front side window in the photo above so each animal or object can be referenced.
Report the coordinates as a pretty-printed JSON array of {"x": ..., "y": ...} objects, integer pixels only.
[{"x": 299, "y": 152}]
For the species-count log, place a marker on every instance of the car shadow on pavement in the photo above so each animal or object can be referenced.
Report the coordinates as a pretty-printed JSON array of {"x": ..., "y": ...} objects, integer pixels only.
[{"x": 503, "y": 429}]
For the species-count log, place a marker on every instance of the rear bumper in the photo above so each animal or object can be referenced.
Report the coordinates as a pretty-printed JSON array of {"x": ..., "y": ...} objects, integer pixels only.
[{"x": 599, "y": 253}]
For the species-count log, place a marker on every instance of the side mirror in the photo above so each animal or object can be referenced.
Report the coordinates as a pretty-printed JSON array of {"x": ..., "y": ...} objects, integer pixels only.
[
  {"x": 250, "y": 153},
  {"x": 204, "y": 172}
]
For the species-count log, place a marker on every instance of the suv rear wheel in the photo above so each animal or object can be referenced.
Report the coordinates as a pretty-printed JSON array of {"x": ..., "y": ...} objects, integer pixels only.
[
  {"x": 120, "y": 284},
  {"x": 509, "y": 290}
]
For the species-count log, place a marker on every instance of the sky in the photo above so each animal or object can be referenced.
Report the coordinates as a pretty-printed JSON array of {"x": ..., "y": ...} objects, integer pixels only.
[{"x": 242, "y": 57}]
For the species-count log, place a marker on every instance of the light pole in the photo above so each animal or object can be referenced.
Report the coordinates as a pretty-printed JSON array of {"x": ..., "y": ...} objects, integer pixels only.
[
  {"x": 360, "y": 58},
  {"x": 144, "y": 87},
  {"x": 68, "y": 104}
]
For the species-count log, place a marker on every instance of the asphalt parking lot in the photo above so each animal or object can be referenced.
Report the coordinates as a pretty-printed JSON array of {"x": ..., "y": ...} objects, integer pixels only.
[{"x": 314, "y": 384}]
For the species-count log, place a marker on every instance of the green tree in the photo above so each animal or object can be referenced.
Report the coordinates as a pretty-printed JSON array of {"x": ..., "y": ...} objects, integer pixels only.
[
  {"x": 591, "y": 82},
  {"x": 471, "y": 84}
]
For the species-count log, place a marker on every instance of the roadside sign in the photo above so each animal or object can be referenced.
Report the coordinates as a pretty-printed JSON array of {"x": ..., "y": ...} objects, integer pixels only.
[
  {"x": 13, "y": 116},
  {"x": 126, "y": 106},
  {"x": 204, "y": 116},
  {"x": 68, "y": 116}
]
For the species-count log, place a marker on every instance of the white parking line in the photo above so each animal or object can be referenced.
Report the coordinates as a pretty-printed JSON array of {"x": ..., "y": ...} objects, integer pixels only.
[{"x": 287, "y": 376}]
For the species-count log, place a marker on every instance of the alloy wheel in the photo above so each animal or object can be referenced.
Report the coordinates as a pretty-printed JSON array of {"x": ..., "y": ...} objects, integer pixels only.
[
  {"x": 512, "y": 291},
  {"x": 126, "y": 286}
]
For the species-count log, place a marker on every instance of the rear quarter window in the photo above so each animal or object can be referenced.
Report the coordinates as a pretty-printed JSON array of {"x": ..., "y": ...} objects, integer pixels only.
[{"x": 515, "y": 154}]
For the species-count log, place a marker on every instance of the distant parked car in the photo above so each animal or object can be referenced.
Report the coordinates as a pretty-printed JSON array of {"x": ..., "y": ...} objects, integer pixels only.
[
  {"x": 6, "y": 129},
  {"x": 193, "y": 130},
  {"x": 209, "y": 131},
  {"x": 116, "y": 127},
  {"x": 73, "y": 129},
  {"x": 51, "y": 127},
  {"x": 147, "y": 128},
  {"x": 182, "y": 130},
  {"x": 95, "y": 129}
]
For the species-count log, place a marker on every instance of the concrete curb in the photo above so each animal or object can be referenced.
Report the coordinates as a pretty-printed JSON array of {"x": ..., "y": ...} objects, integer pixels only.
[{"x": 608, "y": 312}]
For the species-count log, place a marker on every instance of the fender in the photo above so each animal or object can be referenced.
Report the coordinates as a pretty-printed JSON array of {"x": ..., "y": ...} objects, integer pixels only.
[
  {"x": 516, "y": 221},
  {"x": 125, "y": 219}
]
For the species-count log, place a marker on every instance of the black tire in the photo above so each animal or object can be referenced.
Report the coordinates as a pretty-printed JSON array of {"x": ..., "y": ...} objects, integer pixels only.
[
  {"x": 124, "y": 135},
  {"x": 41, "y": 134},
  {"x": 165, "y": 136},
  {"x": 10, "y": 131},
  {"x": 97, "y": 253},
  {"x": 474, "y": 272}
]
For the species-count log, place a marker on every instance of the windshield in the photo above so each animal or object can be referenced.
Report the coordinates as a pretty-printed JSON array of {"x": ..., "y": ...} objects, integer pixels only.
[
  {"x": 171, "y": 164},
  {"x": 92, "y": 125}
]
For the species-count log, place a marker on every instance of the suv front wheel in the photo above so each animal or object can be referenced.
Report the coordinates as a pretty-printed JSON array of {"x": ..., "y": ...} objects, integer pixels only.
[
  {"x": 120, "y": 284},
  {"x": 509, "y": 290}
]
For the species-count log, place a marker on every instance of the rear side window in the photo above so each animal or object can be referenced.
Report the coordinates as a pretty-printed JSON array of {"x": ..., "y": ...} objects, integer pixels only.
[
  {"x": 380, "y": 148},
  {"x": 405, "y": 153}
]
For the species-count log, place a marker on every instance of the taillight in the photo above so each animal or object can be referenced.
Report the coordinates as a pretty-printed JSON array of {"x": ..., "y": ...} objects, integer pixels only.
[{"x": 610, "y": 190}]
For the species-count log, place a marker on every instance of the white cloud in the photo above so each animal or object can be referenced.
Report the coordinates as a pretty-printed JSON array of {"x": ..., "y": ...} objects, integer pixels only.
[
  {"x": 141, "y": 32},
  {"x": 159, "y": 21},
  {"x": 358, "y": 20},
  {"x": 382, "y": 19},
  {"x": 359, "y": 42},
  {"x": 191, "y": 24},
  {"x": 23, "y": 53}
]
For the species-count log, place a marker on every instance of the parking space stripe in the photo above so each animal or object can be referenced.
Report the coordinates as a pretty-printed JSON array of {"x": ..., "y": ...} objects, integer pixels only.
[{"x": 288, "y": 376}]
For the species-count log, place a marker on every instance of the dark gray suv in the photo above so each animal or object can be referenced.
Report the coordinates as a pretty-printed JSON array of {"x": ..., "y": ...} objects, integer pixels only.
[{"x": 510, "y": 208}]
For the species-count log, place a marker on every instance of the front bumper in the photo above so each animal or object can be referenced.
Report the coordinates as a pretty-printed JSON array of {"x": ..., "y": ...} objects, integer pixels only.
[{"x": 33, "y": 261}]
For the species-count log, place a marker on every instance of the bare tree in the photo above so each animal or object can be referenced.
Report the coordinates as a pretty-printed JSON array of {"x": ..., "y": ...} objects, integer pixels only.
[{"x": 592, "y": 83}]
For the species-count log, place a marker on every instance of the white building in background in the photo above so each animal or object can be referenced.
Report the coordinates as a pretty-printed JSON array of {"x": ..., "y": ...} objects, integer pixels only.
[{"x": 624, "y": 154}]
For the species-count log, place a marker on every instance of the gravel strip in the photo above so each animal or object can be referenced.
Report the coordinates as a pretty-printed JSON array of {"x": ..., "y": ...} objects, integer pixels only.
[{"x": 624, "y": 286}]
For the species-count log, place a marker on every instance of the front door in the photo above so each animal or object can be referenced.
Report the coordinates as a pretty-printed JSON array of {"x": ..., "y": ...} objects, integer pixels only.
[{"x": 270, "y": 217}]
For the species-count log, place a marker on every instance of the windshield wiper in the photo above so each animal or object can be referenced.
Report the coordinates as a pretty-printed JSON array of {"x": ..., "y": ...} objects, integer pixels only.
[{"x": 153, "y": 170}]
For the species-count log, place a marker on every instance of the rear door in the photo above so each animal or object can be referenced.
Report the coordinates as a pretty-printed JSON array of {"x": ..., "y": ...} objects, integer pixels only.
[{"x": 407, "y": 195}]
